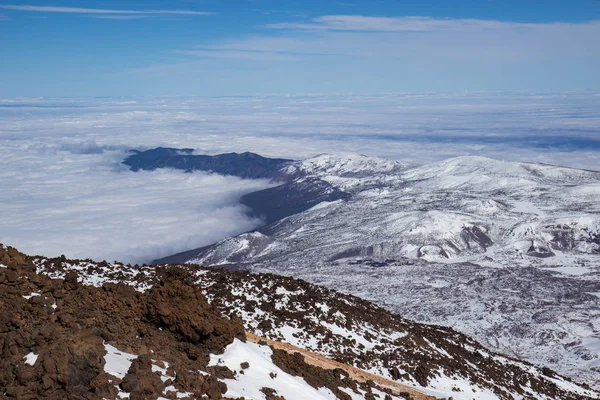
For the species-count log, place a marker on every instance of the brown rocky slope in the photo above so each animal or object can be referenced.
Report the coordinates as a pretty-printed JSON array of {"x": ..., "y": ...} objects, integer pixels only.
[
  {"x": 57, "y": 337},
  {"x": 65, "y": 325},
  {"x": 347, "y": 329}
]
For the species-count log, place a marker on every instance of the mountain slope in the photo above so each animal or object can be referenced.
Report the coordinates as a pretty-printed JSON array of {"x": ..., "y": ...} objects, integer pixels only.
[
  {"x": 61, "y": 339},
  {"x": 504, "y": 173},
  {"x": 436, "y": 360},
  {"x": 407, "y": 237}
]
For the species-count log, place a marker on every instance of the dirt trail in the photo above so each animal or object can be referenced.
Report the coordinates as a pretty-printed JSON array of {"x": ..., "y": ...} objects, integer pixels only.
[{"x": 326, "y": 363}]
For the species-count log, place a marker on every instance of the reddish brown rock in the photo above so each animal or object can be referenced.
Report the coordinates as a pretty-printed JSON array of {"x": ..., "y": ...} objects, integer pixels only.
[{"x": 140, "y": 381}]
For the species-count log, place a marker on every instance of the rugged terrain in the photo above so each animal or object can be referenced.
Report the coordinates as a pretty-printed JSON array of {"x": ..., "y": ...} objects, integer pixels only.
[
  {"x": 63, "y": 339},
  {"x": 160, "y": 314},
  {"x": 506, "y": 252}
]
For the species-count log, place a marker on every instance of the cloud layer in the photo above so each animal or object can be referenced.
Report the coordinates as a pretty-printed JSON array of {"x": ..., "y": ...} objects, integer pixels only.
[
  {"x": 55, "y": 202},
  {"x": 65, "y": 192}
]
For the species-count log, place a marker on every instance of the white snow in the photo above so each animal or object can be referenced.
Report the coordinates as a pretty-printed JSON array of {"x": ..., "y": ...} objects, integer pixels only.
[
  {"x": 325, "y": 204},
  {"x": 162, "y": 370},
  {"x": 281, "y": 290},
  {"x": 258, "y": 375},
  {"x": 350, "y": 392},
  {"x": 117, "y": 362},
  {"x": 571, "y": 270},
  {"x": 289, "y": 334},
  {"x": 177, "y": 393},
  {"x": 527, "y": 207},
  {"x": 571, "y": 387},
  {"x": 341, "y": 164},
  {"x": 337, "y": 330},
  {"x": 31, "y": 358},
  {"x": 31, "y": 295},
  {"x": 323, "y": 307},
  {"x": 459, "y": 389}
]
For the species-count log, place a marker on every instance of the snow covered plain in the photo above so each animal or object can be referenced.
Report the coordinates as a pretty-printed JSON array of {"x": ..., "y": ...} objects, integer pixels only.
[{"x": 506, "y": 252}]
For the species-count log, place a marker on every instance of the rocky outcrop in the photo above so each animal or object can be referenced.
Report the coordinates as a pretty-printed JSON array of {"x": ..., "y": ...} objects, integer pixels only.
[
  {"x": 53, "y": 334},
  {"x": 140, "y": 381}
]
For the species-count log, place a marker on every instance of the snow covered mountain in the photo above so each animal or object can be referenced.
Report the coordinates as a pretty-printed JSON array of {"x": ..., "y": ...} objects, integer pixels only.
[
  {"x": 148, "y": 332},
  {"x": 506, "y": 252}
]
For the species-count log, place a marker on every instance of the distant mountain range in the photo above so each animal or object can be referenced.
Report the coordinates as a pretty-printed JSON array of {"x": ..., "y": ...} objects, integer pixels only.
[
  {"x": 244, "y": 165},
  {"x": 506, "y": 252}
]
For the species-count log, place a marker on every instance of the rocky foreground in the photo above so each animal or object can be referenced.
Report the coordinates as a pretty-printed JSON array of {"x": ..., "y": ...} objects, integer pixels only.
[
  {"x": 61, "y": 339},
  {"x": 79, "y": 329}
]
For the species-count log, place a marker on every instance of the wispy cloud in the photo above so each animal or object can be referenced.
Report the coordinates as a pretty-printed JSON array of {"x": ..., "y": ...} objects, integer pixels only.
[
  {"x": 287, "y": 12},
  {"x": 118, "y": 17},
  {"x": 234, "y": 54},
  {"x": 267, "y": 49},
  {"x": 76, "y": 10},
  {"x": 341, "y": 53},
  {"x": 416, "y": 39},
  {"x": 400, "y": 24}
]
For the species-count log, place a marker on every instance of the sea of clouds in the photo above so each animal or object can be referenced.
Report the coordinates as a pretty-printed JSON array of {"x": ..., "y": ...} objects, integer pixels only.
[{"x": 64, "y": 190}]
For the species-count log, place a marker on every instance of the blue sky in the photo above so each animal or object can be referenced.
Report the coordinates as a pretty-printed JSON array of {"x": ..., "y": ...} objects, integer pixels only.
[{"x": 240, "y": 47}]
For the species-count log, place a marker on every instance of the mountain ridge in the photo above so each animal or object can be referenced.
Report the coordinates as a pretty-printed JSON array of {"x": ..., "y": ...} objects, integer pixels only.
[{"x": 245, "y": 165}]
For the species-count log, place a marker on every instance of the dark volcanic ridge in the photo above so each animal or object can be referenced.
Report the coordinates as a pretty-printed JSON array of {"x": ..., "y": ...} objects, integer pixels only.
[
  {"x": 244, "y": 165},
  {"x": 176, "y": 316}
]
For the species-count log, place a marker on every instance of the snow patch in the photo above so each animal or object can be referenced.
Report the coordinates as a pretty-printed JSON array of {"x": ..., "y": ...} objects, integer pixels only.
[
  {"x": 262, "y": 373},
  {"x": 117, "y": 362},
  {"x": 30, "y": 358}
]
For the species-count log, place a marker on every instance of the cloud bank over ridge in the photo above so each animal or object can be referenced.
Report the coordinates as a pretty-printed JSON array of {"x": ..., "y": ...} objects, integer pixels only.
[{"x": 64, "y": 190}]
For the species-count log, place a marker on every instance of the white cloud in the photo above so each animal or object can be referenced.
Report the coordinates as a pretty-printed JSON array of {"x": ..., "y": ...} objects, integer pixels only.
[
  {"x": 411, "y": 24},
  {"x": 383, "y": 24},
  {"x": 54, "y": 202},
  {"x": 235, "y": 54},
  {"x": 117, "y": 17},
  {"x": 76, "y": 10},
  {"x": 63, "y": 190},
  {"x": 394, "y": 43}
]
